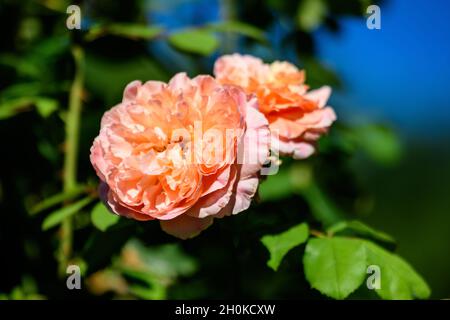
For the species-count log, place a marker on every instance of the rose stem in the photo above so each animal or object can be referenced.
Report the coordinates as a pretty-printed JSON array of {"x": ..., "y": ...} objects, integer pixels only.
[{"x": 71, "y": 148}]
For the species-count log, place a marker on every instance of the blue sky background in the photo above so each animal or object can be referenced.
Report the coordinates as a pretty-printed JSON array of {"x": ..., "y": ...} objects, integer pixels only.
[{"x": 400, "y": 73}]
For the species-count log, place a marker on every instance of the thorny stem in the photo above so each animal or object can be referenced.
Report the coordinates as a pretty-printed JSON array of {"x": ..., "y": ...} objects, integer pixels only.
[{"x": 71, "y": 154}]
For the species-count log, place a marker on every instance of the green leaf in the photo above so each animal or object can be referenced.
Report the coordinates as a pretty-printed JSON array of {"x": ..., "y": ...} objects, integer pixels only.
[
  {"x": 360, "y": 229},
  {"x": 276, "y": 186},
  {"x": 288, "y": 181},
  {"x": 335, "y": 266},
  {"x": 45, "y": 106},
  {"x": 14, "y": 106},
  {"x": 279, "y": 245},
  {"x": 126, "y": 30},
  {"x": 311, "y": 14},
  {"x": 56, "y": 217},
  {"x": 154, "y": 288},
  {"x": 240, "y": 28},
  {"x": 21, "y": 65},
  {"x": 39, "y": 59},
  {"x": 135, "y": 31},
  {"x": 59, "y": 6},
  {"x": 57, "y": 198},
  {"x": 102, "y": 218},
  {"x": 321, "y": 206},
  {"x": 194, "y": 41},
  {"x": 167, "y": 260},
  {"x": 22, "y": 89},
  {"x": 156, "y": 292},
  {"x": 17, "y": 294},
  {"x": 398, "y": 279},
  {"x": 380, "y": 143}
]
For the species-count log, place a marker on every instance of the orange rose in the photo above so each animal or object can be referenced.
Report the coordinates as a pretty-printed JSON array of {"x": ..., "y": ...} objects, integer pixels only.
[
  {"x": 296, "y": 117},
  {"x": 183, "y": 152}
]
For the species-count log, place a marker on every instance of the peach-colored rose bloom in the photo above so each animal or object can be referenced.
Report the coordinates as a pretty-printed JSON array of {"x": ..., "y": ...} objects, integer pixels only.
[
  {"x": 297, "y": 117},
  {"x": 151, "y": 171}
]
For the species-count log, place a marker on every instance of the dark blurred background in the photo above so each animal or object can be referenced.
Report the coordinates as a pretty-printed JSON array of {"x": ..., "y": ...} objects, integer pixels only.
[{"x": 386, "y": 161}]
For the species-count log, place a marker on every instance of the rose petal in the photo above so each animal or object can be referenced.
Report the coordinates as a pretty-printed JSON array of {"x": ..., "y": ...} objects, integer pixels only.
[
  {"x": 320, "y": 96},
  {"x": 185, "y": 227}
]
